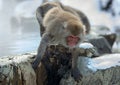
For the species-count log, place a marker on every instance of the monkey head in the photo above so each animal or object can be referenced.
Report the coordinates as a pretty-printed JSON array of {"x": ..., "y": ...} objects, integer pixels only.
[
  {"x": 75, "y": 33},
  {"x": 69, "y": 33}
]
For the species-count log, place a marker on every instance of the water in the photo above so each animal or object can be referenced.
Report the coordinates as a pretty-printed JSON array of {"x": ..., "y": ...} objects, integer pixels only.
[
  {"x": 19, "y": 44},
  {"x": 19, "y": 40}
]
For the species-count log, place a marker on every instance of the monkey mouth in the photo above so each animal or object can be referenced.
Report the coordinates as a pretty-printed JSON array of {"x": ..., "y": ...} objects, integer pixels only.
[{"x": 72, "y": 40}]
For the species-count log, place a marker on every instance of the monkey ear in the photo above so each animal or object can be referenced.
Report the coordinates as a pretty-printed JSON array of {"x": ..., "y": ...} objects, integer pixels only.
[{"x": 65, "y": 24}]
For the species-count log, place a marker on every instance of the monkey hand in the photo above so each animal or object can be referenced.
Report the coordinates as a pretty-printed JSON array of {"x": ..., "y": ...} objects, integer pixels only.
[{"x": 76, "y": 74}]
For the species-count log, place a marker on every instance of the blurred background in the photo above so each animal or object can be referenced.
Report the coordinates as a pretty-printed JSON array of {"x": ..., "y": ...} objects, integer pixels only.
[{"x": 19, "y": 29}]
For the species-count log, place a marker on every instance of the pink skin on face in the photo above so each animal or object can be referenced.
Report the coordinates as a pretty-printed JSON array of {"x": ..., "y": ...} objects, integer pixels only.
[{"x": 72, "y": 40}]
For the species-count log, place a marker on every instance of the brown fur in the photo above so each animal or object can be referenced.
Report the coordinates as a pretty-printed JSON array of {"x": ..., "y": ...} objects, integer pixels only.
[
  {"x": 43, "y": 9},
  {"x": 60, "y": 24}
]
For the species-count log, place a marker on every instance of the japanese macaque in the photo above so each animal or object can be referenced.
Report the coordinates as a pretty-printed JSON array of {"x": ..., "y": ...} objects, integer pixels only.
[{"x": 65, "y": 28}]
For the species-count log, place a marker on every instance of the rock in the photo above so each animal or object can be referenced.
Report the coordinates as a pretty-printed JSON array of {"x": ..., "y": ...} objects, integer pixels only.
[
  {"x": 101, "y": 45},
  {"x": 107, "y": 76},
  {"x": 55, "y": 63},
  {"x": 111, "y": 38},
  {"x": 17, "y": 70}
]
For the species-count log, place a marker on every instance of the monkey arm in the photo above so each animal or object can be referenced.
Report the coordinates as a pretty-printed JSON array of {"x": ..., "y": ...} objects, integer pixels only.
[
  {"x": 75, "y": 71},
  {"x": 74, "y": 59},
  {"x": 41, "y": 50}
]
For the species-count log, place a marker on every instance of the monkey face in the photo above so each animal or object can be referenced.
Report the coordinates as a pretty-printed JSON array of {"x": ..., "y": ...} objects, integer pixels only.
[
  {"x": 72, "y": 40},
  {"x": 69, "y": 33},
  {"x": 76, "y": 33}
]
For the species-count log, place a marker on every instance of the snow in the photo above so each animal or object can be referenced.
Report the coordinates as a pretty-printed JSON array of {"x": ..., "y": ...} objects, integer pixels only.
[
  {"x": 86, "y": 45},
  {"x": 107, "y": 61},
  {"x": 86, "y": 66}
]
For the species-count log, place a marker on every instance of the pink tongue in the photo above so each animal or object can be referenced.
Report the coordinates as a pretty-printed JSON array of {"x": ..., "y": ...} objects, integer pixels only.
[{"x": 72, "y": 40}]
